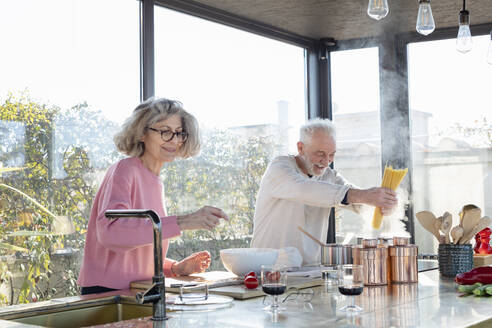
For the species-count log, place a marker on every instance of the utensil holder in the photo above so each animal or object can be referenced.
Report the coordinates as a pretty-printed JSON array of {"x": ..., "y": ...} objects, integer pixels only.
[{"x": 454, "y": 259}]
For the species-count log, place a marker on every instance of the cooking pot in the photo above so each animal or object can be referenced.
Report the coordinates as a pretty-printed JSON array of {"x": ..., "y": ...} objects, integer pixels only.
[{"x": 333, "y": 254}]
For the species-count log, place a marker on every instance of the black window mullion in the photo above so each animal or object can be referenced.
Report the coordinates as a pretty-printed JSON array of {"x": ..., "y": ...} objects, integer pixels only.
[{"x": 147, "y": 68}]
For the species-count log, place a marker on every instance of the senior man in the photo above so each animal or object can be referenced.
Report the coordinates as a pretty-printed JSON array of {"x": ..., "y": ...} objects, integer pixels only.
[{"x": 300, "y": 191}]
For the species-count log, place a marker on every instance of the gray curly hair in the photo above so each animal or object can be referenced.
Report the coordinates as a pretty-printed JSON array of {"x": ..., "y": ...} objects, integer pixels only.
[
  {"x": 151, "y": 111},
  {"x": 317, "y": 124}
]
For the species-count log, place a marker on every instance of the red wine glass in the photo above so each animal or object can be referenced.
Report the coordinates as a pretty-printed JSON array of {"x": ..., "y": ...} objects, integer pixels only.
[
  {"x": 351, "y": 285},
  {"x": 273, "y": 282}
]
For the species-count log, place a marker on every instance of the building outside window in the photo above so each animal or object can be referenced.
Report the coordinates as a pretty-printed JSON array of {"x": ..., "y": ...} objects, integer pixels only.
[
  {"x": 355, "y": 103},
  {"x": 451, "y": 130},
  {"x": 247, "y": 93}
]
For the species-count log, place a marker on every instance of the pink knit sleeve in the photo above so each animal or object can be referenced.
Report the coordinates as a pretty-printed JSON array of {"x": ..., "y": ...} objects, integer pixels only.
[
  {"x": 124, "y": 234},
  {"x": 168, "y": 263}
]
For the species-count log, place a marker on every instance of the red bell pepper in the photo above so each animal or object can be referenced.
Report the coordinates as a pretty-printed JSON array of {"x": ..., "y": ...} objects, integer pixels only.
[{"x": 480, "y": 274}]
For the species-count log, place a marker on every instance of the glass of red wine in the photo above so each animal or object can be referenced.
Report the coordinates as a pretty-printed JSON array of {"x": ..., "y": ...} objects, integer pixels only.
[
  {"x": 351, "y": 284},
  {"x": 274, "y": 283}
]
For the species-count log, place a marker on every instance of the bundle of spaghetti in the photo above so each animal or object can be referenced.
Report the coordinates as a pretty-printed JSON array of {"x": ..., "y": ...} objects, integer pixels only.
[{"x": 391, "y": 179}]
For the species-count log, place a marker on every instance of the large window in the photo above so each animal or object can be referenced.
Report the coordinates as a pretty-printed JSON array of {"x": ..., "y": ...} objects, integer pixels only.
[
  {"x": 247, "y": 93},
  {"x": 452, "y": 126},
  {"x": 69, "y": 75},
  {"x": 355, "y": 93}
]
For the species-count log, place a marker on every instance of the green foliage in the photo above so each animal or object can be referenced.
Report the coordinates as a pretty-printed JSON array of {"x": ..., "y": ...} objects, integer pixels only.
[
  {"x": 64, "y": 153},
  {"x": 479, "y": 134},
  {"x": 226, "y": 175},
  {"x": 29, "y": 192},
  {"x": 16, "y": 212}
]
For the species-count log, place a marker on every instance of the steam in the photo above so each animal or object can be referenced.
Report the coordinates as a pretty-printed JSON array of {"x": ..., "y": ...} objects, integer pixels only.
[{"x": 392, "y": 224}]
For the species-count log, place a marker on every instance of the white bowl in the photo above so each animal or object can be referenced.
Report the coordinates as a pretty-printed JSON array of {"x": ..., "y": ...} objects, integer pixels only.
[{"x": 240, "y": 261}]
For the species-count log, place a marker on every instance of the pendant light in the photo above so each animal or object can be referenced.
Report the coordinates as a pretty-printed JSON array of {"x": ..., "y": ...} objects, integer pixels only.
[
  {"x": 425, "y": 21},
  {"x": 377, "y": 9},
  {"x": 464, "y": 42}
]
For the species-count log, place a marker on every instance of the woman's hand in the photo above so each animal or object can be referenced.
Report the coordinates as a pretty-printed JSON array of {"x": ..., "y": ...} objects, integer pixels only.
[
  {"x": 195, "y": 263},
  {"x": 207, "y": 217}
]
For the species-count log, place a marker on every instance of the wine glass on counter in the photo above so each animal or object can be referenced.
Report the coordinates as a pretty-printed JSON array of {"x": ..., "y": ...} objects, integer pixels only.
[
  {"x": 351, "y": 285},
  {"x": 274, "y": 283}
]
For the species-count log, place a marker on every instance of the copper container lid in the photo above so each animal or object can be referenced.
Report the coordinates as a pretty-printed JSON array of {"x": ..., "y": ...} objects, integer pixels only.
[
  {"x": 402, "y": 247},
  {"x": 379, "y": 252},
  {"x": 401, "y": 241},
  {"x": 369, "y": 243}
]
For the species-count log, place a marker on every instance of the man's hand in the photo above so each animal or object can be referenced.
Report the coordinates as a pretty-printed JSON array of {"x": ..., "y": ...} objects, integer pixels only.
[
  {"x": 384, "y": 198},
  {"x": 387, "y": 211},
  {"x": 195, "y": 263},
  {"x": 205, "y": 218}
]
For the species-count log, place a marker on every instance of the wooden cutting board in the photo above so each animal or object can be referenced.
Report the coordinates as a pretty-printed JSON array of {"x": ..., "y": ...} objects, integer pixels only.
[
  {"x": 235, "y": 290},
  {"x": 481, "y": 260},
  {"x": 210, "y": 278}
]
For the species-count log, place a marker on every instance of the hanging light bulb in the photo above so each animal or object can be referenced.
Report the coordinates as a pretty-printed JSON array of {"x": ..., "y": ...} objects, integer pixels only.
[
  {"x": 377, "y": 9},
  {"x": 464, "y": 42},
  {"x": 425, "y": 21},
  {"x": 489, "y": 52}
]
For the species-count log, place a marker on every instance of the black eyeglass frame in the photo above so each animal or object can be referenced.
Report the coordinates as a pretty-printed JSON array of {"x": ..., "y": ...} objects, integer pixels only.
[{"x": 183, "y": 134}]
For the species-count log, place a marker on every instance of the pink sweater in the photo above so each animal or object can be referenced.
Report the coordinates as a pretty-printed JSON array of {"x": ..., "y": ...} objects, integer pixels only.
[{"x": 120, "y": 251}]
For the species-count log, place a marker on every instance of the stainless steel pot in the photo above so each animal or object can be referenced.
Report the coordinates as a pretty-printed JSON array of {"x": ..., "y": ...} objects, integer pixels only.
[{"x": 332, "y": 254}]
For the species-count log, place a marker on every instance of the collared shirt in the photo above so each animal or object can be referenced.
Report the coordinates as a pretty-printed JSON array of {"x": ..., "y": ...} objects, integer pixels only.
[{"x": 288, "y": 198}]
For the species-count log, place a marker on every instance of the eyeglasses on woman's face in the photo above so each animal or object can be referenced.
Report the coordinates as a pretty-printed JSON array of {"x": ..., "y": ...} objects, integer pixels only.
[{"x": 168, "y": 135}]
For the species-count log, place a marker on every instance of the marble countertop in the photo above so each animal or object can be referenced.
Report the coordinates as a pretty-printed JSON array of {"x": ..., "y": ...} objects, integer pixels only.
[{"x": 432, "y": 302}]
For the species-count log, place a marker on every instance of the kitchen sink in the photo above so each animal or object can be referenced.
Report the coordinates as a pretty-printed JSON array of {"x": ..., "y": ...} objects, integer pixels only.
[{"x": 83, "y": 315}]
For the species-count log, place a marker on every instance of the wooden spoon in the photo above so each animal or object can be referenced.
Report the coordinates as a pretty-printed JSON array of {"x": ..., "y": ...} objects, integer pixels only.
[
  {"x": 310, "y": 236},
  {"x": 456, "y": 233},
  {"x": 438, "y": 224},
  {"x": 482, "y": 224},
  {"x": 465, "y": 209},
  {"x": 470, "y": 216},
  {"x": 447, "y": 221},
  {"x": 427, "y": 220}
]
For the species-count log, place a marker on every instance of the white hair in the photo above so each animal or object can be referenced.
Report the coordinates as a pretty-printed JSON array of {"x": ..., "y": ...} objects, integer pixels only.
[{"x": 317, "y": 124}]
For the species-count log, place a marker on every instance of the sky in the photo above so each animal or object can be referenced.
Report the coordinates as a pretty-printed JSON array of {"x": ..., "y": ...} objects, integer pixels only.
[
  {"x": 455, "y": 87},
  {"x": 69, "y": 51},
  {"x": 86, "y": 51}
]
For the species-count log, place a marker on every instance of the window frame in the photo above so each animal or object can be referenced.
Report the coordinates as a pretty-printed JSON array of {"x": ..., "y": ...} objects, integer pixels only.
[{"x": 393, "y": 67}]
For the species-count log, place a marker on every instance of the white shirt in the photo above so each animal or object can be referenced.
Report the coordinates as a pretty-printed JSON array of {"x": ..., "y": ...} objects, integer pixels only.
[{"x": 289, "y": 198}]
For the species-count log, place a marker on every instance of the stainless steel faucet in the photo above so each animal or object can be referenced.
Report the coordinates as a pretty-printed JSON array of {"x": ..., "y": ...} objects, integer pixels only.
[{"x": 157, "y": 292}]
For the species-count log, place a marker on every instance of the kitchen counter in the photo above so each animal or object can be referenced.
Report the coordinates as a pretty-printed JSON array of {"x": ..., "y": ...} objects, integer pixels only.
[{"x": 433, "y": 302}]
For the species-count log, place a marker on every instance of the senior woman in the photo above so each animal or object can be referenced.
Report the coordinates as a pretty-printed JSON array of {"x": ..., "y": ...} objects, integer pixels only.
[{"x": 120, "y": 251}]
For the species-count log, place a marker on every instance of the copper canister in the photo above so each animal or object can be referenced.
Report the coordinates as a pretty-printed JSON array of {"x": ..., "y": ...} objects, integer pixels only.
[
  {"x": 403, "y": 259},
  {"x": 374, "y": 259}
]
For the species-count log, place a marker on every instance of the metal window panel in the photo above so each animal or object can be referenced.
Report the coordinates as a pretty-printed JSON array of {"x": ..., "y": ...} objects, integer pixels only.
[{"x": 147, "y": 66}]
